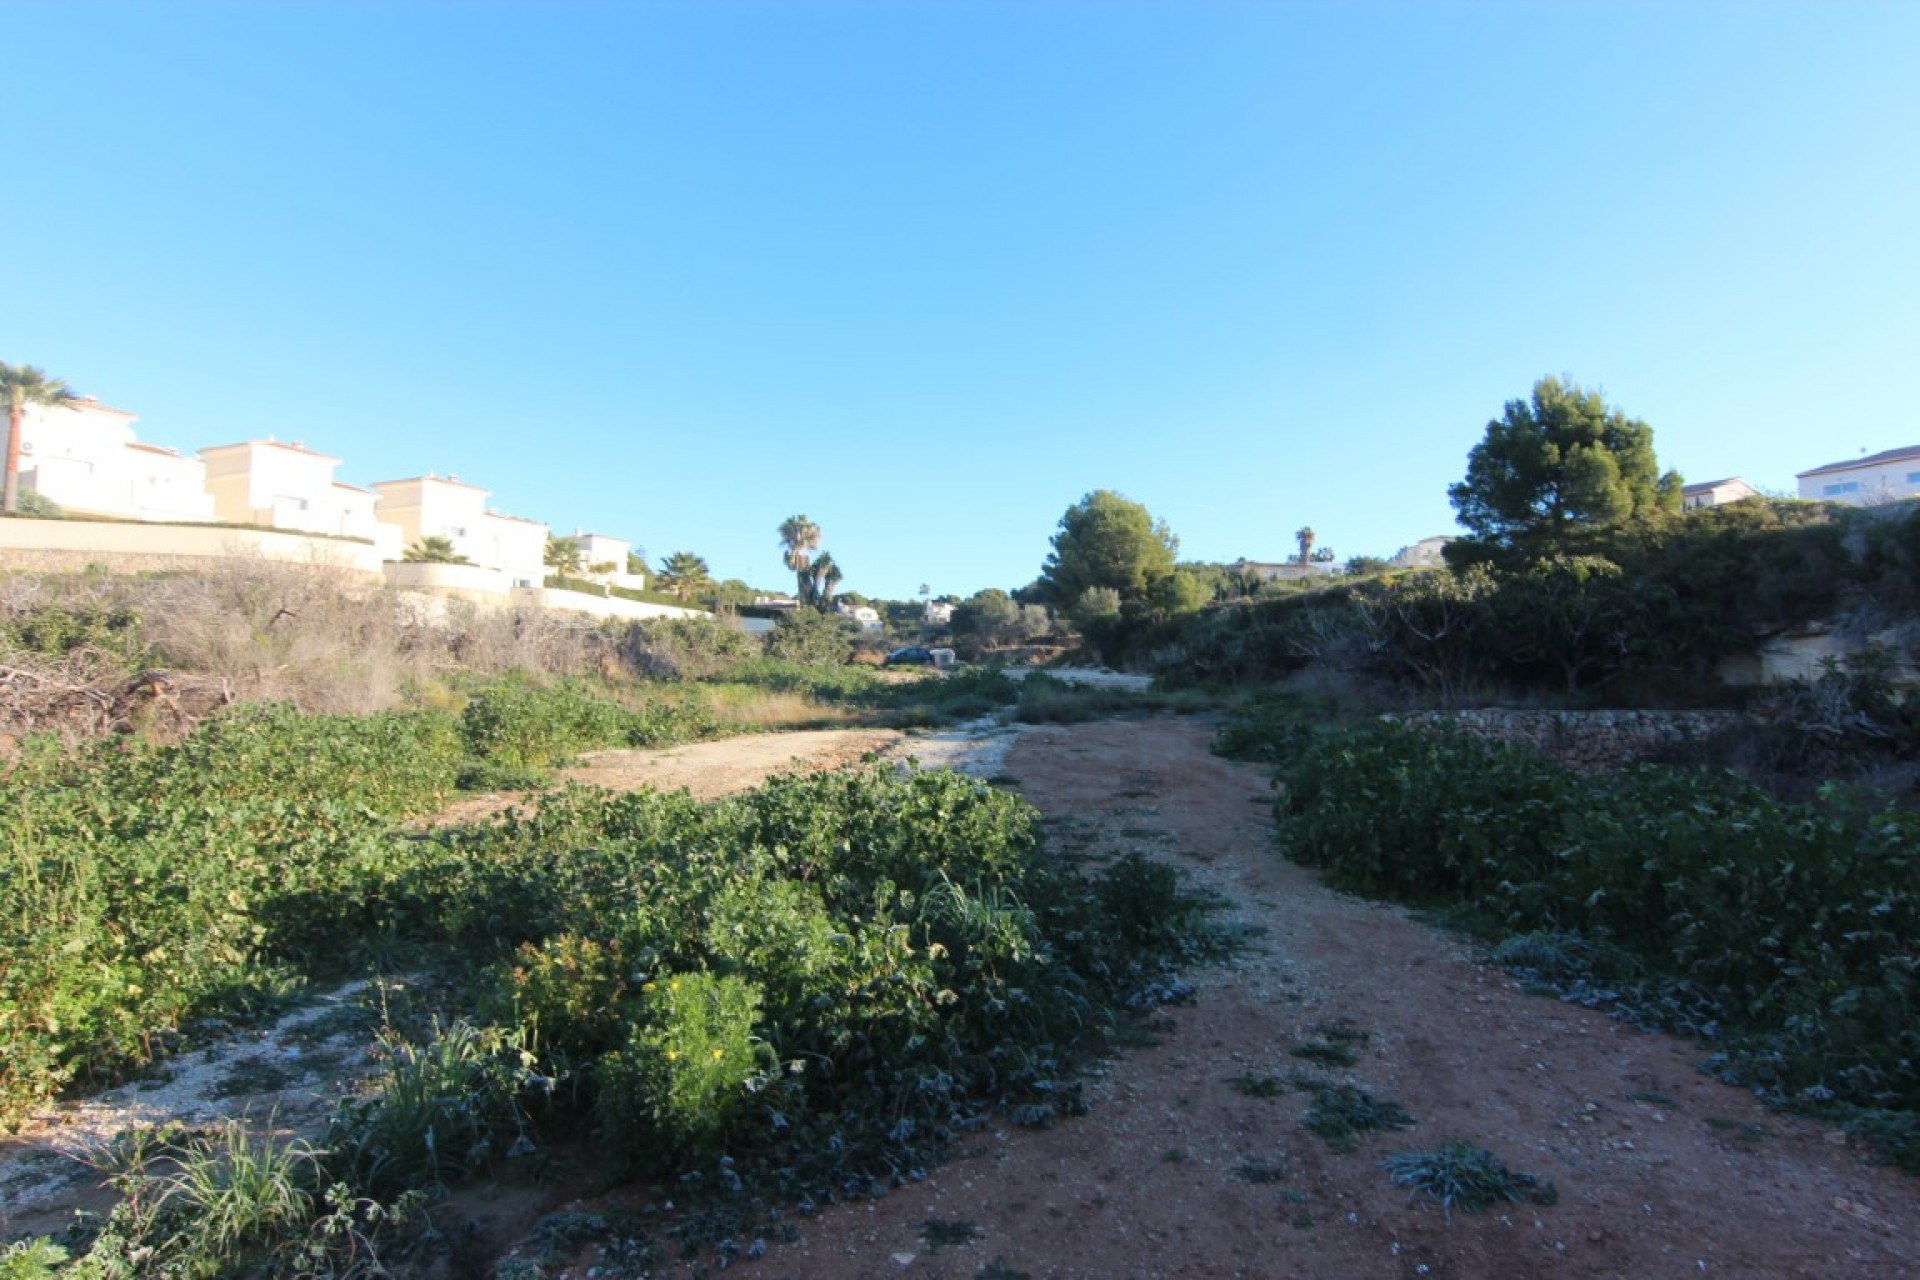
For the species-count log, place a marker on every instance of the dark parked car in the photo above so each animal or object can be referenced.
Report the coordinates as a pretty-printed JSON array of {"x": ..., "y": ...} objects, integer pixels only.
[{"x": 912, "y": 656}]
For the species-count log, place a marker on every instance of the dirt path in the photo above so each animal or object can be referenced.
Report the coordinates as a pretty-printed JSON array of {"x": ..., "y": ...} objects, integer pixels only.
[{"x": 1661, "y": 1171}]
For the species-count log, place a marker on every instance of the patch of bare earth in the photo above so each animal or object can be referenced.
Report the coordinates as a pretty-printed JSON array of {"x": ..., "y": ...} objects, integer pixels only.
[{"x": 1180, "y": 1170}]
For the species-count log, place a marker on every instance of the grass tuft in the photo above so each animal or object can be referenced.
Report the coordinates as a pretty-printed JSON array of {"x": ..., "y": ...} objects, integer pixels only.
[
  {"x": 1465, "y": 1177},
  {"x": 1341, "y": 1113}
]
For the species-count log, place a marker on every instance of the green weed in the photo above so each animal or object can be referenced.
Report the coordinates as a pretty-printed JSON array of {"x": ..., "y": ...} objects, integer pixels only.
[
  {"x": 35, "y": 1259},
  {"x": 939, "y": 1233},
  {"x": 1261, "y": 1172},
  {"x": 1253, "y": 1086},
  {"x": 1326, "y": 1054},
  {"x": 442, "y": 1111},
  {"x": 1341, "y": 1113},
  {"x": 1461, "y": 1176}
]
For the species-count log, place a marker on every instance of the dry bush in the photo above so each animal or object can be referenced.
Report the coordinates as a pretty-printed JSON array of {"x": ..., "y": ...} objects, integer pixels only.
[
  {"x": 312, "y": 635},
  {"x": 87, "y": 694},
  {"x": 319, "y": 636},
  {"x": 328, "y": 640}
]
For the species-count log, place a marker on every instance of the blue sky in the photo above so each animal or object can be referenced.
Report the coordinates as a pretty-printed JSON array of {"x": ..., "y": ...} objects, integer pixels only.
[{"x": 931, "y": 272}]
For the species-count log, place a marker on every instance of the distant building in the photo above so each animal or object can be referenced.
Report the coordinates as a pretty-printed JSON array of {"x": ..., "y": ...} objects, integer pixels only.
[
  {"x": 936, "y": 613},
  {"x": 1424, "y": 554},
  {"x": 1284, "y": 571},
  {"x": 863, "y": 616},
  {"x": 1716, "y": 493},
  {"x": 83, "y": 456},
  {"x": 1876, "y": 478},
  {"x": 600, "y": 549}
]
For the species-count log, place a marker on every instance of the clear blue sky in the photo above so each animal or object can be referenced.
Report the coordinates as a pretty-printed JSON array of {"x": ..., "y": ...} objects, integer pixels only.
[{"x": 931, "y": 272}]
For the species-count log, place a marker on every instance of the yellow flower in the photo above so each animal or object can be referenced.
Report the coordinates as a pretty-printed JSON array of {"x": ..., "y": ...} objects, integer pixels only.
[
  {"x": 647, "y": 986},
  {"x": 673, "y": 1055},
  {"x": 719, "y": 1054}
]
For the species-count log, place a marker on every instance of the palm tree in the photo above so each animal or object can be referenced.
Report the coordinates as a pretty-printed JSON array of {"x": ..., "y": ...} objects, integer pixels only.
[
  {"x": 825, "y": 576},
  {"x": 20, "y": 386},
  {"x": 799, "y": 537},
  {"x": 564, "y": 555},
  {"x": 1305, "y": 536},
  {"x": 683, "y": 573},
  {"x": 433, "y": 549}
]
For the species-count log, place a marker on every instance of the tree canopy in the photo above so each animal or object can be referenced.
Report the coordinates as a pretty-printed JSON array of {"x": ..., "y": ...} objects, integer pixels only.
[
  {"x": 815, "y": 578},
  {"x": 684, "y": 574},
  {"x": 1106, "y": 540},
  {"x": 564, "y": 555},
  {"x": 1552, "y": 465}
]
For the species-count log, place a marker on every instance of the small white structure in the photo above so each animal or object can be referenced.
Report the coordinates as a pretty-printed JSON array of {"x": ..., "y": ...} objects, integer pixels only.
[
  {"x": 863, "y": 616},
  {"x": 1716, "y": 493},
  {"x": 936, "y": 613},
  {"x": 1868, "y": 481},
  {"x": 83, "y": 456},
  {"x": 599, "y": 549}
]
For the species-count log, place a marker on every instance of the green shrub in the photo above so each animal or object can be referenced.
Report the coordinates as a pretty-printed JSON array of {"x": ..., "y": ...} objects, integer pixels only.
[
  {"x": 515, "y": 724},
  {"x": 60, "y": 628},
  {"x": 141, "y": 884},
  {"x": 685, "y": 648},
  {"x": 35, "y": 1259},
  {"x": 1423, "y": 816},
  {"x": 669, "y": 1096},
  {"x": 812, "y": 637},
  {"x": 1688, "y": 898},
  {"x": 1046, "y": 700}
]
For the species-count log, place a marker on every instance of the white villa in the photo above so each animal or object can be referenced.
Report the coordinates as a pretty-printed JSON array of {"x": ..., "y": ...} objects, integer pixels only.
[
  {"x": 430, "y": 506},
  {"x": 289, "y": 486},
  {"x": 1876, "y": 478},
  {"x": 267, "y": 498},
  {"x": 84, "y": 457},
  {"x": 599, "y": 549},
  {"x": 1715, "y": 493},
  {"x": 863, "y": 616}
]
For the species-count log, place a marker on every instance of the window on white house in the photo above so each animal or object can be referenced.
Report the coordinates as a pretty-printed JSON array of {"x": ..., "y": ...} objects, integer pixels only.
[{"x": 1835, "y": 490}]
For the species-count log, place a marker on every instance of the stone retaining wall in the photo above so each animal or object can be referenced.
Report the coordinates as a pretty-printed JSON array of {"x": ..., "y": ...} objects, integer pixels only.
[{"x": 1589, "y": 740}]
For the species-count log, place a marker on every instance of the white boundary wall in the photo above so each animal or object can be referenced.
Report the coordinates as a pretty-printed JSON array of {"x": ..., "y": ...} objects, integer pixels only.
[{"x": 133, "y": 547}]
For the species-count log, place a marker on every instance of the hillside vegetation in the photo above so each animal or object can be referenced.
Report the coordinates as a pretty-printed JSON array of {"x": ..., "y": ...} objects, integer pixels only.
[{"x": 211, "y": 789}]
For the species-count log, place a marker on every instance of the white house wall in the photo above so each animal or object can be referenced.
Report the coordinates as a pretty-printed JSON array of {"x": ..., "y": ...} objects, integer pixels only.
[
  {"x": 433, "y": 508},
  {"x": 85, "y": 459},
  {"x": 286, "y": 486},
  {"x": 1887, "y": 481},
  {"x": 517, "y": 547}
]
